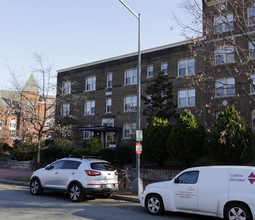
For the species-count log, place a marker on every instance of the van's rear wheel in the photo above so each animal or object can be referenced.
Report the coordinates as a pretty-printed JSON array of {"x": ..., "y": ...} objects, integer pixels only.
[{"x": 237, "y": 211}]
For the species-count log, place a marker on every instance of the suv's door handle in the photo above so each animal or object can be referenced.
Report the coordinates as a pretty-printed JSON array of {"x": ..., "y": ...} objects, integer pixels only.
[
  {"x": 56, "y": 173},
  {"x": 73, "y": 173}
]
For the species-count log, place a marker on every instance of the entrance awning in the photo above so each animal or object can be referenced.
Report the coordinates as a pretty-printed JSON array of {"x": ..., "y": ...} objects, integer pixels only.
[{"x": 100, "y": 128}]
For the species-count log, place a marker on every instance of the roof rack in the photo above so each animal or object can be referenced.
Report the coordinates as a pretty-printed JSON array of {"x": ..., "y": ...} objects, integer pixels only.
[{"x": 84, "y": 157}]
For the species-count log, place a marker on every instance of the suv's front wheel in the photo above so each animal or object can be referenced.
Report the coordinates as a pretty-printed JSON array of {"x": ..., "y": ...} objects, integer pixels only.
[
  {"x": 35, "y": 187},
  {"x": 75, "y": 192}
]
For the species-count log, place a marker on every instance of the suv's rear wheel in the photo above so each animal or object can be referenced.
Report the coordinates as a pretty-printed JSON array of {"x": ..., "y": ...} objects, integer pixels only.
[
  {"x": 75, "y": 193},
  {"x": 35, "y": 187},
  {"x": 237, "y": 211}
]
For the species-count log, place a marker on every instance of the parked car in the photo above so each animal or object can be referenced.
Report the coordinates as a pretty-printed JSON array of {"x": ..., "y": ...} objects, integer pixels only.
[
  {"x": 221, "y": 191},
  {"x": 76, "y": 176}
]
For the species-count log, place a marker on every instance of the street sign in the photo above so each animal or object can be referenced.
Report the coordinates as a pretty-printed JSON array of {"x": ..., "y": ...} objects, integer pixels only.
[
  {"x": 139, "y": 135},
  {"x": 138, "y": 148}
]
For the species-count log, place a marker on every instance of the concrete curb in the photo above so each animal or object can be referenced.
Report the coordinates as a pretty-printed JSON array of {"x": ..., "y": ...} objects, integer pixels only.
[
  {"x": 114, "y": 196},
  {"x": 12, "y": 182},
  {"x": 125, "y": 198}
]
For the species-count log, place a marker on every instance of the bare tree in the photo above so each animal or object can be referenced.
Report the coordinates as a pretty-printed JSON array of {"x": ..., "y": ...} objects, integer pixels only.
[{"x": 37, "y": 106}]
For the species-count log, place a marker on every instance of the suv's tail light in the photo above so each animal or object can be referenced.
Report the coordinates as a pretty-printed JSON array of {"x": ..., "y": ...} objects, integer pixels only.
[
  {"x": 92, "y": 173},
  {"x": 116, "y": 173}
]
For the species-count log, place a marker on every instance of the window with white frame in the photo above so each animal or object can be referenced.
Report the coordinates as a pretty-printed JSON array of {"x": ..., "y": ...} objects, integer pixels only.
[
  {"x": 108, "y": 105},
  {"x": 12, "y": 129},
  {"x": 252, "y": 84},
  {"x": 131, "y": 76},
  {"x": 224, "y": 23},
  {"x": 252, "y": 50},
  {"x": 130, "y": 103},
  {"x": 89, "y": 108},
  {"x": 65, "y": 110},
  {"x": 90, "y": 83},
  {"x": 164, "y": 68},
  {"x": 1, "y": 125},
  {"x": 150, "y": 71},
  {"x": 186, "y": 67},
  {"x": 251, "y": 16},
  {"x": 224, "y": 55},
  {"x": 186, "y": 98},
  {"x": 129, "y": 130},
  {"x": 109, "y": 80},
  {"x": 66, "y": 88},
  {"x": 225, "y": 87},
  {"x": 88, "y": 134}
]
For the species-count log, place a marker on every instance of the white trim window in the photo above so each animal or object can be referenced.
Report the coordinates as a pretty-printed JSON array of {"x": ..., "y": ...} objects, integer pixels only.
[
  {"x": 66, "y": 88},
  {"x": 109, "y": 80},
  {"x": 12, "y": 129},
  {"x": 252, "y": 88},
  {"x": 225, "y": 87},
  {"x": 186, "y": 67},
  {"x": 90, "y": 83},
  {"x": 88, "y": 134},
  {"x": 130, "y": 103},
  {"x": 252, "y": 50},
  {"x": 108, "y": 105},
  {"x": 129, "y": 130},
  {"x": 65, "y": 110},
  {"x": 89, "y": 108},
  {"x": 164, "y": 68},
  {"x": 131, "y": 76},
  {"x": 150, "y": 71},
  {"x": 251, "y": 16},
  {"x": 187, "y": 98},
  {"x": 224, "y": 55},
  {"x": 223, "y": 23}
]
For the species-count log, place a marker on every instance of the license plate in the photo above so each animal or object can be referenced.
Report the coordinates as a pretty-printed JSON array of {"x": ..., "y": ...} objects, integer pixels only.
[{"x": 108, "y": 185}]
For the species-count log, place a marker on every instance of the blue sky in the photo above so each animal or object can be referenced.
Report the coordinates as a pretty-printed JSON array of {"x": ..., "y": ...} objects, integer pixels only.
[{"x": 74, "y": 32}]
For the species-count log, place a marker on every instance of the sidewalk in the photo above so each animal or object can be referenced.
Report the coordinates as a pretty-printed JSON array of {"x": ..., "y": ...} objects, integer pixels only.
[{"x": 8, "y": 176}]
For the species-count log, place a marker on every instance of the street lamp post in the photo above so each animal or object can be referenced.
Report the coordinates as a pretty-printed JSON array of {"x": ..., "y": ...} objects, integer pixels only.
[{"x": 137, "y": 186}]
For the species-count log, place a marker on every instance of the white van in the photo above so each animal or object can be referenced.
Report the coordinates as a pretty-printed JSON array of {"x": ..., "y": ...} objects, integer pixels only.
[{"x": 222, "y": 191}]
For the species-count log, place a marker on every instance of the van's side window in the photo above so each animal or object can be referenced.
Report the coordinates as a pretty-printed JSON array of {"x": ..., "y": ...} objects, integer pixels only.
[{"x": 189, "y": 177}]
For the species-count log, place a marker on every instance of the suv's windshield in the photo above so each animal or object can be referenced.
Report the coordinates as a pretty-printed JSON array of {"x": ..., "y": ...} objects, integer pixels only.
[{"x": 102, "y": 166}]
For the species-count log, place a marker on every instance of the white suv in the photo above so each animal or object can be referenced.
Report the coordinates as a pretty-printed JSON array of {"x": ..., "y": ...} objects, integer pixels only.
[{"x": 76, "y": 176}]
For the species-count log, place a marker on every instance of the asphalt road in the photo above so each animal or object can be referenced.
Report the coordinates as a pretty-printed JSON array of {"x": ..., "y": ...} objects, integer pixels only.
[{"x": 16, "y": 202}]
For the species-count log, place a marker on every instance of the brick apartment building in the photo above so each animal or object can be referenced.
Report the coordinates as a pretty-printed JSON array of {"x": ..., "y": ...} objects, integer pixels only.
[
  {"x": 20, "y": 109},
  {"x": 99, "y": 98},
  {"x": 107, "y": 91}
]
